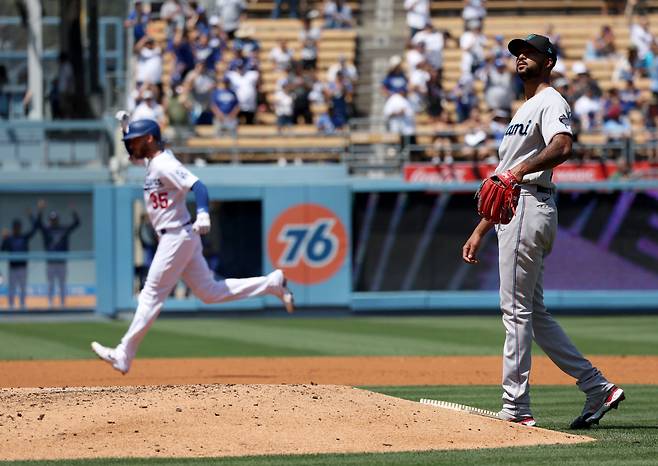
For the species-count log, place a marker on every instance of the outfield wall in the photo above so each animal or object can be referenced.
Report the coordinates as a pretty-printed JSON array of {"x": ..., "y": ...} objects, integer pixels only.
[{"x": 345, "y": 242}]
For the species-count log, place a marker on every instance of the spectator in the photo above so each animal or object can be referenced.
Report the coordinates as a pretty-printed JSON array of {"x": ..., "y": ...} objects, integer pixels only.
[
  {"x": 283, "y": 108},
  {"x": 246, "y": 43},
  {"x": 17, "y": 241},
  {"x": 642, "y": 38},
  {"x": 630, "y": 97},
  {"x": 149, "y": 63},
  {"x": 301, "y": 83},
  {"x": 245, "y": 84},
  {"x": 603, "y": 45},
  {"x": 555, "y": 38},
  {"x": 499, "y": 122},
  {"x": 474, "y": 11},
  {"x": 138, "y": 19},
  {"x": 339, "y": 95},
  {"x": 434, "y": 44},
  {"x": 218, "y": 39},
  {"x": 230, "y": 13},
  {"x": 174, "y": 13},
  {"x": 316, "y": 96},
  {"x": 198, "y": 19},
  {"x": 401, "y": 118},
  {"x": 197, "y": 91},
  {"x": 309, "y": 37},
  {"x": 435, "y": 96},
  {"x": 615, "y": 127},
  {"x": 242, "y": 61},
  {"x": 476, "y": 147},
  {"x": 395, "y": 81},
  {"x": 587, "y": 110},
  {"x": 184, "y": 53},
  {"x": 225, "y": 106},
  {"x": 415, "y": 55},
  {"x": 444, "y": 141},
  {"x": 56, "y": 239},
  {"x": 149, "y": 109},
  {"x": 337, "y": 15},
  {"x": 418, "y": 15},
  {"x": 499, "y": 90},
  {"x": 176, "y": 112},
  {"x": 324, "y": 124},
  {"x": 464, "y": 96},
  {"x": 499, "y": 49},
  {"x": 473, "y": 44},
  {"x": 583, "y": 82},
  {"x": 204, "y": 52},
  {"x": 293, "y": 9},
  {"x": 418, "y": 86},
  {"x": 282, "y": 55},
  {"x": 347, "y": 68},
  {"x": 627, "y": 67},
  {"x": 149, "y": 241},
  {"x": 562, "y": 86}
]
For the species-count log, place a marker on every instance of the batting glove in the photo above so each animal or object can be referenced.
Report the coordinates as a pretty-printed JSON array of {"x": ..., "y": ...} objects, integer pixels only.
[{"x": 202, "y": 223}]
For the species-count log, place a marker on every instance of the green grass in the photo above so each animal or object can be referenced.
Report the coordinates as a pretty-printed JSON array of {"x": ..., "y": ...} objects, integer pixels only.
[
  {"x": 174, "y": 337},
  {"x": 628, "y": 436}
]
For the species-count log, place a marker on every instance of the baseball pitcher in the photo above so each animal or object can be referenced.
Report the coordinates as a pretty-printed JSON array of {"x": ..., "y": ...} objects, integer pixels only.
[
  {"x": 179, "y": 251},
  {"x": 518, "y": 201}
]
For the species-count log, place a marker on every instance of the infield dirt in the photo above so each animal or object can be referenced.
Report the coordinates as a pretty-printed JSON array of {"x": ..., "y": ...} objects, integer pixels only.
[
  {"x": 372, "y": 370},
  {"x": 238, "y": 420}
]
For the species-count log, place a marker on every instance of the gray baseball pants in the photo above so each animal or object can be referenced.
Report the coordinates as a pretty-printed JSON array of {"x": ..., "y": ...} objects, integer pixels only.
[{"x": 523, "y": 244}]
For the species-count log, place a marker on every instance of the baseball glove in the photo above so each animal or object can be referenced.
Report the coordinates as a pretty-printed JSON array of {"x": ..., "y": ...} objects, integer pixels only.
[{"x": 497, "y": 198}]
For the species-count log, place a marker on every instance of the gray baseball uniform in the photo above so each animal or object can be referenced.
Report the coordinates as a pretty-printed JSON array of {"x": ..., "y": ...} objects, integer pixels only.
[{"x": 523, "y": 244}]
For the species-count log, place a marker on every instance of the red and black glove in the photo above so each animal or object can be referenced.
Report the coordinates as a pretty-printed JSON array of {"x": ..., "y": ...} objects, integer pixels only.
[{"x": 497, "y": 198}]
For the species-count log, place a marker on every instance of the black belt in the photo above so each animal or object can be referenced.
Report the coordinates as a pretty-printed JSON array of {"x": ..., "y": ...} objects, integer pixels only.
[
  {"x": 163, "y": 231},
  {"x": 539, "y": 189}
]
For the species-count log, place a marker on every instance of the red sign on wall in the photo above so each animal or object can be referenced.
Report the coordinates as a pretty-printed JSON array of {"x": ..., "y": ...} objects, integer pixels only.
[{"x": 463, "y": 172}]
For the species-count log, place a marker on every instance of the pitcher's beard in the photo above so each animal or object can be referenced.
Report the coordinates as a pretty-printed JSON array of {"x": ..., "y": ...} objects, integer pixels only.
[{"x": 528, "y": 73}]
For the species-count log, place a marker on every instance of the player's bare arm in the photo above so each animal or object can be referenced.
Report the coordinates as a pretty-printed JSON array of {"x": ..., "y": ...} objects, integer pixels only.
[
  {"x": 557, "y": 152},
  {"x": 470, "y": 249}
]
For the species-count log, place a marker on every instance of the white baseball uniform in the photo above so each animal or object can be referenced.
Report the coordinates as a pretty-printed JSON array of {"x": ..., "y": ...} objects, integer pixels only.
[
  {"x": 179, "y": 254},
  {"x": 522, "y": 245}
]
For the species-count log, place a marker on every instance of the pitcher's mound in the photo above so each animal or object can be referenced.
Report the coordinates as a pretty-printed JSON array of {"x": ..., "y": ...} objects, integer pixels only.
[{"x": 238, "y": 420}]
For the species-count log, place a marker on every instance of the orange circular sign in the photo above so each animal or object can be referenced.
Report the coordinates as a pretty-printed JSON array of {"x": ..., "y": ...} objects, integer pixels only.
[{"x": 308, "y": 242}]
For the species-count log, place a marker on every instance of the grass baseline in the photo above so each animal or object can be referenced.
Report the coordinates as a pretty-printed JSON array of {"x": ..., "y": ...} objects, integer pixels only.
[{"x": 626, "y": 437}]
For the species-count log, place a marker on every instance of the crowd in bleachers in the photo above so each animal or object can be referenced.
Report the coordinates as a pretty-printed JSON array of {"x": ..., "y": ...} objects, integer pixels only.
[
  {"x": 197, "y": 66},
  {"x": 473, "y": 113},
  {"x": 206, "y": 66}
]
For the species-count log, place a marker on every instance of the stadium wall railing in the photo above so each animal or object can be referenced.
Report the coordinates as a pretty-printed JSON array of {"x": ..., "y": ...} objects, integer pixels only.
[{"x": 357, "y": 243}]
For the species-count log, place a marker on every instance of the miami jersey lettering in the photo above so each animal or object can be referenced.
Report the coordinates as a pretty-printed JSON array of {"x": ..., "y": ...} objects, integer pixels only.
[{"x": 539, "y": 119}]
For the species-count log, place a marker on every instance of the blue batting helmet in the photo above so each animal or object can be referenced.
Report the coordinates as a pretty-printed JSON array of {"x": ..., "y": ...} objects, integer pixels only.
[{"x": 139, "y": 128}]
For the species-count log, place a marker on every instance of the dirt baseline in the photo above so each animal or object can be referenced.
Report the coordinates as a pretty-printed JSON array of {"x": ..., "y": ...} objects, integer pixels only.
[
  {"x": 238, "y": 420},
  {"x": 355, "y": 371}
]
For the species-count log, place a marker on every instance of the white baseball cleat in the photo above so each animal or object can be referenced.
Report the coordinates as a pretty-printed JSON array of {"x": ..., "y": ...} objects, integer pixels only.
[
  {"x": 526, "y": 420},
  {"x": 109, "y": 356},
  {"x": 282, "y": 291}
]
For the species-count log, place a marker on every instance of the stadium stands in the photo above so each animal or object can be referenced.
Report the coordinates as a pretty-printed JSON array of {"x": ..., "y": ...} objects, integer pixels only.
[{"x": 576, "y": 24}]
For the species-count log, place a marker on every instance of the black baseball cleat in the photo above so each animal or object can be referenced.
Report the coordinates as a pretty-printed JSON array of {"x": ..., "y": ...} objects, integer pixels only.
[{"x": 596, "y": 407}]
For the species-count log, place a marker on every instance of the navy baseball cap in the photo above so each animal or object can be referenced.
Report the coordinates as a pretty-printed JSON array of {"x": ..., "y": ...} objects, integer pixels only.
[{"x": 540, "y": 43}]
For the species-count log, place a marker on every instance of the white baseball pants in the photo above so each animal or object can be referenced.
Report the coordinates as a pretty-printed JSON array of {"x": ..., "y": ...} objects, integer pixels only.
[
  {"x": 522, "y": 246},
  {"x": 179, "y": 254}
]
